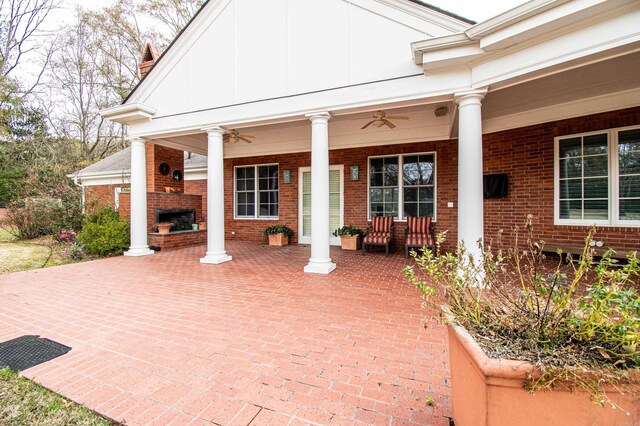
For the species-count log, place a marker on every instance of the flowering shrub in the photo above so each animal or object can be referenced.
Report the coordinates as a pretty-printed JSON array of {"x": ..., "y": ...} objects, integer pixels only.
[
  {"x": 40, "y": 216},
  {"x": 66, "y": 236}
]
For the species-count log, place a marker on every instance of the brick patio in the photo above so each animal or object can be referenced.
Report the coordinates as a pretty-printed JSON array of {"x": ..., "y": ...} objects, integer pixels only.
[{"x": 165, "y": 340}]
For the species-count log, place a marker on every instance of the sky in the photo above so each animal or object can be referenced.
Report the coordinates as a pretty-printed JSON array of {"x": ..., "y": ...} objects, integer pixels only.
[{"x": 476, "y": 10}]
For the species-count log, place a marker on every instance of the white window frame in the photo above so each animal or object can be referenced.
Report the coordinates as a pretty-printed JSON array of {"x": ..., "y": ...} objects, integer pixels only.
[
  {"x": 614, "y": 182},
  {"x": 256, "y": 193},
  {"x": 400, "y": 217}
]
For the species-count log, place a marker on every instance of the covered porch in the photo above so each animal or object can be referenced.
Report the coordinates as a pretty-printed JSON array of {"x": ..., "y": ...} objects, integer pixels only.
[{"x": 254, "y": 341}]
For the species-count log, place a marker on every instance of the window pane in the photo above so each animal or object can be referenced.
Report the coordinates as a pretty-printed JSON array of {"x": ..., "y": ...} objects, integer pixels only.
[
  {"x": 264, "y": 210},
  {"x": 390, "y": 194},
  {"x": 376, "y": 179},
  {"x": 570, "y": 147},
  {"x": 391, "y": 171},
  {"x": 250, "y": 172},
  {"x": 375, "y": 165},
  {"x": 251, "y": 184},
  {"x": 418, "y": 170},
  {"x": 377, "y": 209},
  {"x": 240, "y": 173},
  {"x": 595, "y": 144},
  {"x": 242, "y": 210},
  {"x": 251, "y": 210},
  {"x": 596, "y": 209},
  {"x": 273, "y": 197},
  {"x": 375, "y": 195},
  {"x": 629, "y": 163},
  {"x": 571, "y": 189},
  {"x": 630, "y": 209},
  {"x": 426, "y": 209},
  {"x": 629, "y": 140},
  {"x": 263, "y": 184},
  {"x": 410, "y": 209},
  {"x": 242, "y": 198},
  {"x": 411, "y": 194},
  {"x": 240, "y": 185},
  {"x": 571, "y": 167},
  {"x": 264, "y": 197},
  {"x": 629, "y": 186},
  {"x": 426, "y": 193},
  {"x": 596, "y": 166},
  {"x": 596, "y": 188},
  {"x": 263, "y": 171},
  {"x": 571, "y": 209},
  {"x": 273, "y": 210}
]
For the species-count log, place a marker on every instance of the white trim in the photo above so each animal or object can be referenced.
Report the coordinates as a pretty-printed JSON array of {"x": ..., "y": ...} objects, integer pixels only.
[
  {"x": 400, "y": 217},
  {"x": 334, "y": 241},
  {"x": 128, "y": 113},
  {"x": 613, "y": 178},
  {"x": 256, "y": 193}
]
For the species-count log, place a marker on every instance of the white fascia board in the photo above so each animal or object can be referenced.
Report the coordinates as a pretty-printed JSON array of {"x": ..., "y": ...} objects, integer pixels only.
[
  {"x": 411, "y": 90},
  {"x": 419, "y": 48},
  {"x": 420, "y": 18},
  {"x": 551, "y": 17},
  {"x": 455, "y": 56},
  {"x": 128, "y": 113},
  {"x": 111, "y": 178}
]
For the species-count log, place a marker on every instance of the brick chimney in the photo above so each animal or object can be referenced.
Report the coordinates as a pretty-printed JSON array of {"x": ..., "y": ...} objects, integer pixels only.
[{"x": 149, "y": 57}]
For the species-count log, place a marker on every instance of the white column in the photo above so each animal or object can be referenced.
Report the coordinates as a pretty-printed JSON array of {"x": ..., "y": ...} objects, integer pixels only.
[
  {"x": 470, "y": 192},
  {"x": 139, "y": 245},
  {"x": 215, "y": 198},
  {"x": 320, "y": 261}
]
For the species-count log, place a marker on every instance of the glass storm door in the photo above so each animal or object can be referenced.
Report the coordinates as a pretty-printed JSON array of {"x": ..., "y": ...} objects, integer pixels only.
[{"x": 336, "y": 176}]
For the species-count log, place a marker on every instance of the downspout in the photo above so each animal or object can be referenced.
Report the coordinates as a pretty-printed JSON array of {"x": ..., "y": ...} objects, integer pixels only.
[{"x": 82, "y": 196}]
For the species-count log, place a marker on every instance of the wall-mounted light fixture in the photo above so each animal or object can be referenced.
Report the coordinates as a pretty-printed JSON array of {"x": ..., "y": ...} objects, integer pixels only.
[
  {"x": 355, "y": 172},
  {"x": 286, "y": 176}
]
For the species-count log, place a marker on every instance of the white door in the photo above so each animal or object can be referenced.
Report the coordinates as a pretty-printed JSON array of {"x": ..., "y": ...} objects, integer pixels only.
[{"x": 336, "y": 203}]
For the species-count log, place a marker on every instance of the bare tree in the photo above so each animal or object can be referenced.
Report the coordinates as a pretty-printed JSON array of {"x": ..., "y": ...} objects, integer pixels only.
[
  {"x": 174, "y": 14},
  {"x": 21, "y": 23}
]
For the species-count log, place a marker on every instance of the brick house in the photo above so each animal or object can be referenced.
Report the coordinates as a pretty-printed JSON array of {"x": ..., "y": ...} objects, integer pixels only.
[{"x": 543, "y": 99}]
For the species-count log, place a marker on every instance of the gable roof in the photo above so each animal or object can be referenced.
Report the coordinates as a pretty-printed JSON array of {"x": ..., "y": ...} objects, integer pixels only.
[{"x": 204, "y": 5}]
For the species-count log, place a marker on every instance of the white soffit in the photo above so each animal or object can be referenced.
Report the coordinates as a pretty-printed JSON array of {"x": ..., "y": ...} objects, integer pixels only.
[{"x": 128, "y": 113}]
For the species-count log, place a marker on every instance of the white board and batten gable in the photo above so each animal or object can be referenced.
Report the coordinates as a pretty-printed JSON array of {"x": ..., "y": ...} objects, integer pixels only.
[{"x": 291, "y": 55}]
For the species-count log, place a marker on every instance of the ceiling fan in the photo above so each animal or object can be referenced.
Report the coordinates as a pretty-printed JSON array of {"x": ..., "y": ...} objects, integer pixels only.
[
  {"x": 380, "y": 119},
  {"x": 234, "y": 136}
]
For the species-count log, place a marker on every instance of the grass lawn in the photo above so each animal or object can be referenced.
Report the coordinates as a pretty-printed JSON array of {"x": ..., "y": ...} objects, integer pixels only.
[
  {"x": 18, "y": 256},
  {"x": 23, "y": 402}
]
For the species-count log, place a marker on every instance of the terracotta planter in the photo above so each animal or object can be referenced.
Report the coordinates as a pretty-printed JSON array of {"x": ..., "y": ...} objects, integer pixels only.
[
  {"x": 278, "y": 239},
  {"x": 164, "y": 229},
  {"x": 350, "y": 242},
  {"x": 202, "y": 226},
  {"x": 487, "y": 391}
]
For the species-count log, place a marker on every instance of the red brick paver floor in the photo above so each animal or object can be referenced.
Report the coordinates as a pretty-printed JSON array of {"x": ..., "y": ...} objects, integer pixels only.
[{"x": 165, "y": 340}]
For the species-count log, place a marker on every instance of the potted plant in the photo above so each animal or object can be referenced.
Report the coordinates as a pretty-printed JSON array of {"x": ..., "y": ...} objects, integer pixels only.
[
  {"x": 164, "y": 227},
  {"x": 278, "y": 235},
  {"x": 519, "y": 324},
  {"x": 350, "y": 237}
]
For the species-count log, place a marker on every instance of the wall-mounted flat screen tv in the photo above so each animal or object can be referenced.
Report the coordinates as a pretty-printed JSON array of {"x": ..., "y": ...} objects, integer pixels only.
[{"x": 496, "y": 185}]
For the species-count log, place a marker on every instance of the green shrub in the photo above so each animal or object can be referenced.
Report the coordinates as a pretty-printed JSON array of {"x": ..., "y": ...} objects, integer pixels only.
[
  {"x": 104, "y": 233},
  {"x": 279, "y": 229}
]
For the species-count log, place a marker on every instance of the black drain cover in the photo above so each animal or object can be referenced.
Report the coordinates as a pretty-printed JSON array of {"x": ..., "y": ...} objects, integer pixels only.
[{"x": 29, "y": 351}]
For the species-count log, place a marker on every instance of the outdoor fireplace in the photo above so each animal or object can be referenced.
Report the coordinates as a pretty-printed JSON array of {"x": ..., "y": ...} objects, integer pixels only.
[{"x": 182, "y": 219}]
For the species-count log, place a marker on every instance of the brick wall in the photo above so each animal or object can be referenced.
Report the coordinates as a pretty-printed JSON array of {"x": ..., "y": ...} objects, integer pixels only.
[
  {"x": 156, "y": 155},
  {"x": 168, "y": 241},
  {"x": 101, "y": 196},
  {"x": 526, "y": 155},
  {"x": 198, "y": 187},
  {"x": 355, "y": 208}
]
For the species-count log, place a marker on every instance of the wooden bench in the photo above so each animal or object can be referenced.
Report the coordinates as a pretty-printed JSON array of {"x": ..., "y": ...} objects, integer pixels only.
[{"x": 576, "y": 250}]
